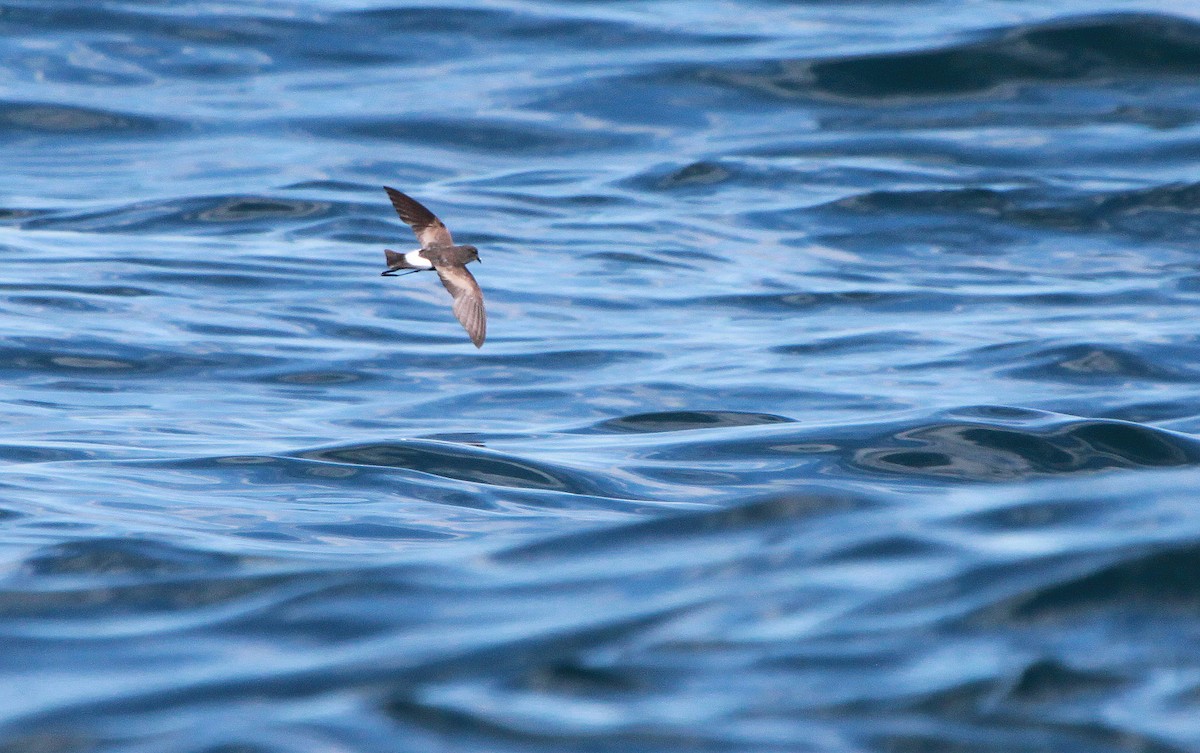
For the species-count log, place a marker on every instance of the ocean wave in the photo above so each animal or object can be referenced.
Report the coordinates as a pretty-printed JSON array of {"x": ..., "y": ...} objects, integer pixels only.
[{"x": 1068, "y": 50}]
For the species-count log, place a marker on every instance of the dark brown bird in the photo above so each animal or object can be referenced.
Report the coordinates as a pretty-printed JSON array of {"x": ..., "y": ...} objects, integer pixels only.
[{"x": 439, "y": 254}]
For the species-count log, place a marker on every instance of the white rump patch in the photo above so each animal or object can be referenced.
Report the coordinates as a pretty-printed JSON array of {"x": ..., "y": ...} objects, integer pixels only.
[{"x": 414, "y": 258}]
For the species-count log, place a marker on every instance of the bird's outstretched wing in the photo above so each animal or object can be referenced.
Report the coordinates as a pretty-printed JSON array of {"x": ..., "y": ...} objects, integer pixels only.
[
  {"x": 429, "y": 229},
  {"x": 468, "y": 300}
]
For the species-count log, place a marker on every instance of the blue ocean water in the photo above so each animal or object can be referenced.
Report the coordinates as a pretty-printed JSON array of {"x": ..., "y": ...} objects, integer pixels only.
[{"x": 841, "y": 393}]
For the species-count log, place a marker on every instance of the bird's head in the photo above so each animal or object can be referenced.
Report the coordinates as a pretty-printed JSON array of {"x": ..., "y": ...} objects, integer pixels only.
[{"x": 472, "y": 254}]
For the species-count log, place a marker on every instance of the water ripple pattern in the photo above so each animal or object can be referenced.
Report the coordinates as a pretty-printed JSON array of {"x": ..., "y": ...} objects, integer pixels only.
[{"x": 840, "y": 391}]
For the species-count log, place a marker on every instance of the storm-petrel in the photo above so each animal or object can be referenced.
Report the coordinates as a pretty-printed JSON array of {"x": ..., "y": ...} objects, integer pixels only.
[{"x": 439, "y": 254}]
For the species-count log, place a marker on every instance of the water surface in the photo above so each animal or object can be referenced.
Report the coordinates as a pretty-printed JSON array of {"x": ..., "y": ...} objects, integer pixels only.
[{"x": 840, "y": 390}]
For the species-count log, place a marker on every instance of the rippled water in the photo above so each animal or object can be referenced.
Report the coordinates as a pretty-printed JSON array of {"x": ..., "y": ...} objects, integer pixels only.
[{"x": 840, "y": 391}]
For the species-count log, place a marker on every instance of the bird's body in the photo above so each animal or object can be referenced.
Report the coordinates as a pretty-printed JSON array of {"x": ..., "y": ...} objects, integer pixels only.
[
  {"x": 431, "y": 258},
  {"x": 439, "y": 253}
]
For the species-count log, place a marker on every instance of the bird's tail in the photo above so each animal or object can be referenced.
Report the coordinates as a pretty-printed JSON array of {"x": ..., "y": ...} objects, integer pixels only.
[{"x": 395, "y": 261}]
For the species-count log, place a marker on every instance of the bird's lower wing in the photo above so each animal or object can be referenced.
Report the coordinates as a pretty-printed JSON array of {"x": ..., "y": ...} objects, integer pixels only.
[{"x": 468, "y": 301}]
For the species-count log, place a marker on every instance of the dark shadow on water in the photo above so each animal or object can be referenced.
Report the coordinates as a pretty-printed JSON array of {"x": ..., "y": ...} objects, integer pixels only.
[
  {"x": 63, "y": 120},
  {"x": 1164, "y": 212},
  {"x": 1049, "y": 681},
  {"x": 478, "y": 135},
  {"x": 985, "y": 453},
  {"x": 645, "y": 423},
  {"x": 1124, "y": 45},
  {"x": 1154, "y": 583},
  {"x": 462, "y": 463},
  {"x": 123, "y": 557},
  {"x": 984, "y": 444},
  {"x": 792, "y": 509},
  {"x": 203, "y": 214}
]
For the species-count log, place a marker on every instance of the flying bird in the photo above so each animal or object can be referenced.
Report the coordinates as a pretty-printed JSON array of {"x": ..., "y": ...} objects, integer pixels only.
[{"x": 439, "y": 254}]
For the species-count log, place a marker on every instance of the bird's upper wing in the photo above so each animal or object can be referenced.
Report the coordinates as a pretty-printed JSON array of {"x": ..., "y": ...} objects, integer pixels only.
[
  {"x": 429, "y": 229},
  {"x": 468, "y": 300}
]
